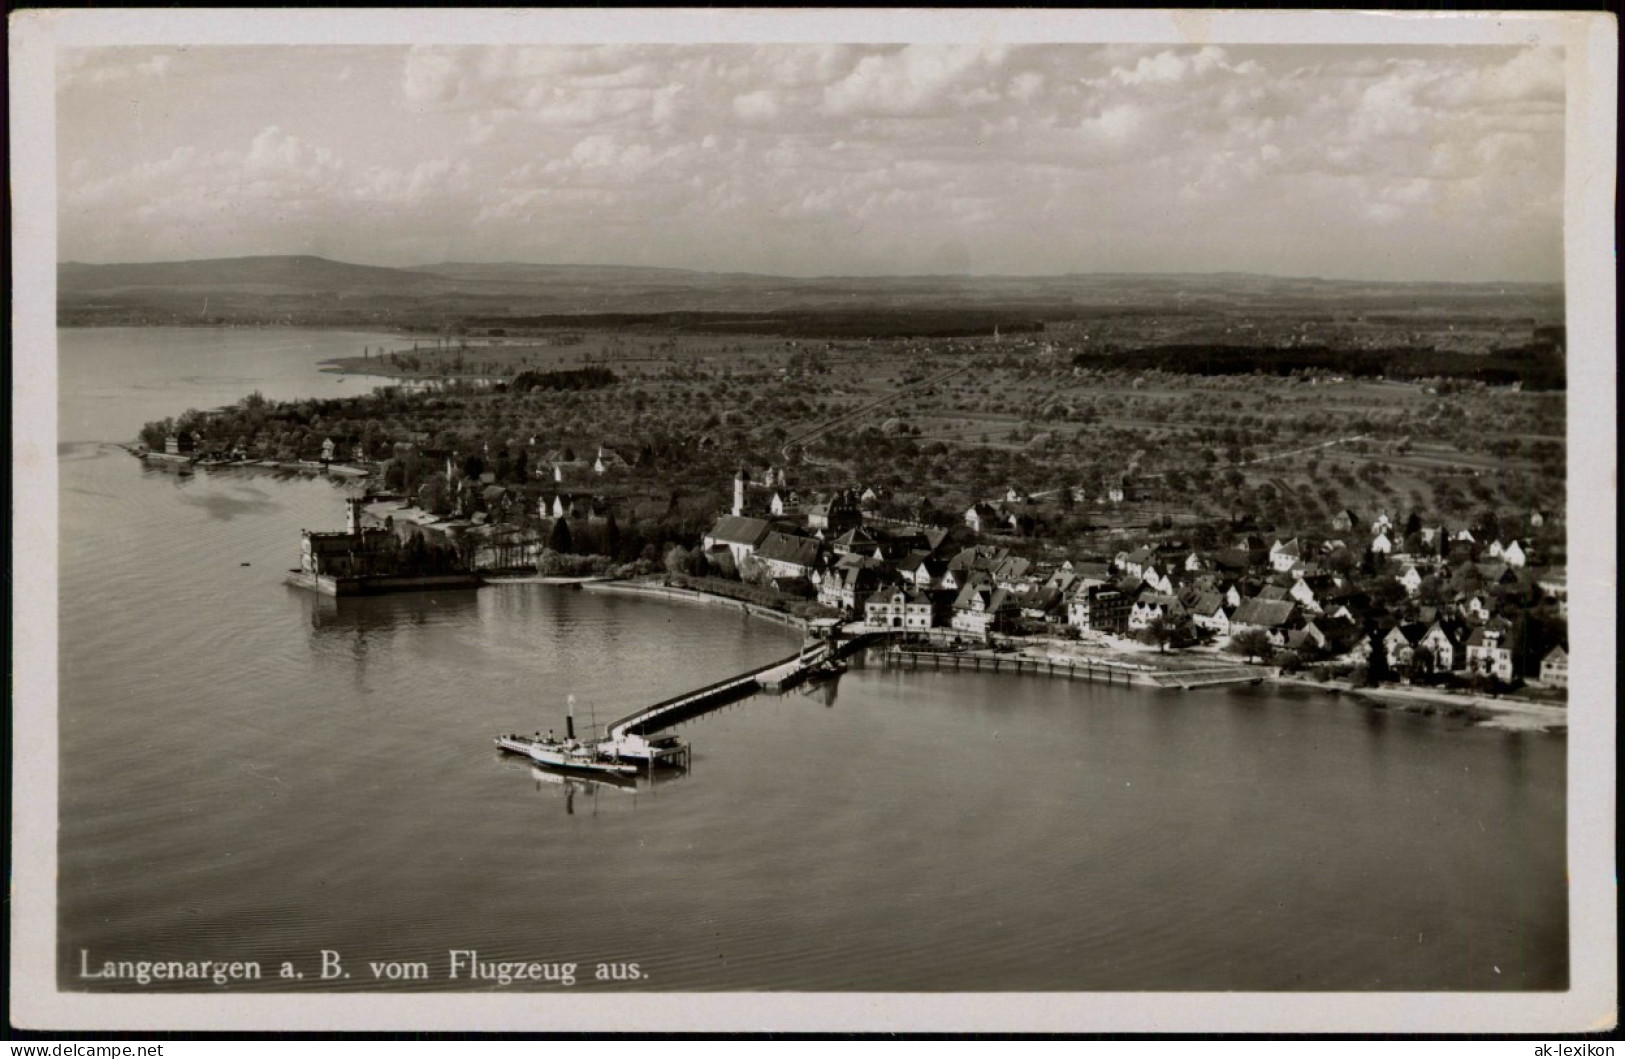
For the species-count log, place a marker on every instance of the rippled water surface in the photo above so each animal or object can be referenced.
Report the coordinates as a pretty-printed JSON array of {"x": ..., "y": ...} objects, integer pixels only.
[{"x": 251, "y": 772}]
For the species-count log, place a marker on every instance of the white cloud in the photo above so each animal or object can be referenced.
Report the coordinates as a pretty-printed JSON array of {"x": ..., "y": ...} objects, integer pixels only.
[
  {"x": 913, "y": 80},
  {"x": 1172, "y": 67},
  {"x": 756, "y": 106},
  {"x": 277, "y": 155},
  {"x": 432, "y": 180},
  {"x": 435, "y": 76},
  {"x": 1118, "y": 122},
  {"x": 1026, "y": 86},
  {"x": 881, "y": 143}
]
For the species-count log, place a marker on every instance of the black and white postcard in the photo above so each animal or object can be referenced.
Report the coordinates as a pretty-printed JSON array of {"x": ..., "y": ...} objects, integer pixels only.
[{"x": 850, "y": 521}]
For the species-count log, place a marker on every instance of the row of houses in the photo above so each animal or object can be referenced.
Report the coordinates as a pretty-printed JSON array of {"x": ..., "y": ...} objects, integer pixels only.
[{"x": 1290, "y": 591}]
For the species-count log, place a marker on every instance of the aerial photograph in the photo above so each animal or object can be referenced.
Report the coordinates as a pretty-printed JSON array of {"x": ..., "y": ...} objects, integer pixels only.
[{"x": 769, "y": 517}]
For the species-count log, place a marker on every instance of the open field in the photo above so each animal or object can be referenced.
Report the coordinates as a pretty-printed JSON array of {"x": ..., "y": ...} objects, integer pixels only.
[
  {"x": 1115, "y": 401},
  {"x": 936, "y": 426}
]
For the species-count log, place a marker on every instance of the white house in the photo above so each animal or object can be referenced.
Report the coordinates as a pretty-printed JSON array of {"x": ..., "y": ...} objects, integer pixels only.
[
  {"x": 983, "y": 610},
  {"x": 908, "y": 609},
  {"x": 1157, "y": 580},
  {"x": 1304, "y": 592},
  {"x": 1444, "y": 648},
  {"x": 1554, "y": 668},
  {"x": 1286, "y": 556},
  {"x": 1134, "y": 563},
  {"x": 740, "y": 534},
  {"x": 1151, "y": 606},
  {"x": 1207, "y": 612},
  {"x": 1489, "y": 651},
  {"x": 1098, "y": 607},
  {"x": 981, "y": 517},
  {"x": 787, "y": 556}
]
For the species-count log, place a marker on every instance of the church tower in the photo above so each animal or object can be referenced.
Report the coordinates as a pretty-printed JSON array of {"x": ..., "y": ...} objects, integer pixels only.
[{"x": 741, "y": 481}]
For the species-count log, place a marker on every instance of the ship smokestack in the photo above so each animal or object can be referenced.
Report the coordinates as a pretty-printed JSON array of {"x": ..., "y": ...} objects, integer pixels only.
[{"x": 570, "y": 719}]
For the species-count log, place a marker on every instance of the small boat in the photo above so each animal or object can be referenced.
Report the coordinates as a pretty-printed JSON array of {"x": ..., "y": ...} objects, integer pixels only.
[
  {"x": 567, "y": 753},
  {"x": 564, "y": 754}
]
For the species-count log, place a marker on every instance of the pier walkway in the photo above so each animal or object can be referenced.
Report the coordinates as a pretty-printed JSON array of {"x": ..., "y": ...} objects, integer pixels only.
[
  {"x": 1083, "y": 667},
  {"x": 784, "y": 673},
  {"x": 992, "y": 662}
]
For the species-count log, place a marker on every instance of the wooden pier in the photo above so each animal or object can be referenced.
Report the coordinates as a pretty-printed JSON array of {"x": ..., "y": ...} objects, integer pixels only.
[
  {"x": 791, "y": 670},
  {"x": 782, "y": 674},
  {"x": 979, "y": 662},
  {"x": 1080, "y": 668}
]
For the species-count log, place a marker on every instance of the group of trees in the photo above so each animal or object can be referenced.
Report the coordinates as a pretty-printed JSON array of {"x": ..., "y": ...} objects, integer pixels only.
[
  {"x": 593, "y": 378},
  {"x": 1538, "y": 366}
]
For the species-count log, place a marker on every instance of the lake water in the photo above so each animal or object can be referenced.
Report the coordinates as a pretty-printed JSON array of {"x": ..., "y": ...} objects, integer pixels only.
[{"x": 250, "y": 772}]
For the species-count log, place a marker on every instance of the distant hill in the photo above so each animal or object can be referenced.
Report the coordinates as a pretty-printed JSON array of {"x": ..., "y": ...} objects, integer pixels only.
[
  {"x": 292, "y": 274},
  {"x": 316, "y": 291}
]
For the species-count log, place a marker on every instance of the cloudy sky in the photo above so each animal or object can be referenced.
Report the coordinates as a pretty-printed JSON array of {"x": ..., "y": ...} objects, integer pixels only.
[{"x": 1396, "y": 162}]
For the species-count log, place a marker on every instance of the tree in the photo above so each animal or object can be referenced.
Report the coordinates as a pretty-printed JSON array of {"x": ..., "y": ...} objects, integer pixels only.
[
  {"x": 1386, "y": 591},
  {"x": 153, "y": 435},
  {"x": 435, "y": 494},
  {"x": 558, "y": 538},
  {"x": 721, "y": 564},
  {"x": 1253, "y": 643},
  {"x": 1377, "y": 669},
  {"x": 754, "y": 571},
  {"x": 1169, "y": 631},
  {"x": 680, "y": 561}
]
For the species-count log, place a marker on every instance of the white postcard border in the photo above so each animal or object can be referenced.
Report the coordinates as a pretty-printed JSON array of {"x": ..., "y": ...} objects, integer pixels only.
[{"x": 1590, "y": 41}]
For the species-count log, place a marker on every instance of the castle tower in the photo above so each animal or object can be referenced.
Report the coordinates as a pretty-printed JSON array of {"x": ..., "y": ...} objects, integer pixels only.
[
  {"x": 352, "y": 523},
  {"x": 741, "y": 480}
]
